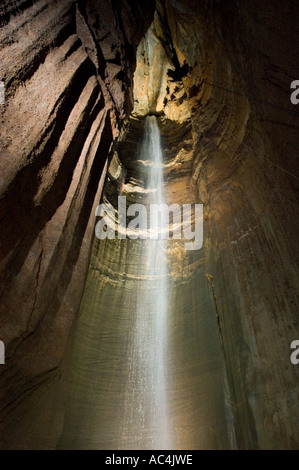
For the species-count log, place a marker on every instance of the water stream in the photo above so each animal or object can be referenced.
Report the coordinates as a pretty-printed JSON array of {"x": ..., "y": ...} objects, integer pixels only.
[
  {"x": 147, "y": 383},
  {"x": 146, "y": 372}
]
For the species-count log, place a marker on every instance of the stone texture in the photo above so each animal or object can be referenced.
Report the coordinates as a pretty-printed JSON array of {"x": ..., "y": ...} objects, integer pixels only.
[
  {"x": 57, "y": 127},
  {"x": 218, "y": 76},
  {"x": 236, "y": 299}
]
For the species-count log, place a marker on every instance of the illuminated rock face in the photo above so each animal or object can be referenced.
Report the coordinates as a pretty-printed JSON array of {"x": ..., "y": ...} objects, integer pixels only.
[
  {"x": 218, "y": 78},
  {"x": 146, "y": 354},
  {"x": 62, "y": 112}
]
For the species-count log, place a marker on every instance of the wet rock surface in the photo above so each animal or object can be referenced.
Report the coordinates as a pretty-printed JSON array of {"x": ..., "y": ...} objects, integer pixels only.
[{"x": 230, "y": 137}]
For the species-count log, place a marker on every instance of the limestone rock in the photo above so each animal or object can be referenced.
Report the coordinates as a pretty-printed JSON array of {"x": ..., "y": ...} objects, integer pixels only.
[{"x": 217, "y": 75}]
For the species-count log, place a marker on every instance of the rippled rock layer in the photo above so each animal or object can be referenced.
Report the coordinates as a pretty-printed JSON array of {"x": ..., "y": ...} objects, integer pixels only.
[{"x": 217, "y": 74}]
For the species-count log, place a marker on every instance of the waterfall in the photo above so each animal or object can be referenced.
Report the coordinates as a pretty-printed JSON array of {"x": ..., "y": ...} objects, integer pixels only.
[
  {"x": 147, "y": 400},
  {"x": 144, "y": 361},
  {"x": 151, "y": 151}
]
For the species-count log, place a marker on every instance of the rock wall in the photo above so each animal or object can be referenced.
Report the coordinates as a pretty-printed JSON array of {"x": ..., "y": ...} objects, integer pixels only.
[
  {"x": 229, "y": 133},
  {"x": 239, "y": 71},
  {"x": 218, "y": 74},
  {"x": 64, "y": 105}
]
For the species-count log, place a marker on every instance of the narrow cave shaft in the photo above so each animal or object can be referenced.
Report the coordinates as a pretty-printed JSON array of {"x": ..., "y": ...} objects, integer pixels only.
[
  {"x": 145, "y": 363},
  {"x": 148, "y": 343},
  {"x": 142, "y": 420}
]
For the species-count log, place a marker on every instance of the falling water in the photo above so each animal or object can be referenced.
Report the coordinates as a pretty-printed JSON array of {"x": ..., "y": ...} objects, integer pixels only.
[
  {"x": 144, "y": 365},
  {"x": 147, "y": 404}
]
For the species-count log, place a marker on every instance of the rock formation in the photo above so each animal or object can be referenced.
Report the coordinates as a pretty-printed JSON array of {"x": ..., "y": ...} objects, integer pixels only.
[
  {"x": 217, "y": 75},
  {"x": 64, "y": 99}
]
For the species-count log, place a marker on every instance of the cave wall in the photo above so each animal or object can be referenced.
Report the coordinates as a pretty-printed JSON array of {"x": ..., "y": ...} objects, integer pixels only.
[
  {"x": 68, "y": 69},
  {"x": 66, "y": 94},
  {"x": 246, "y": 170},
  {"x": 230, "y": 136}
]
